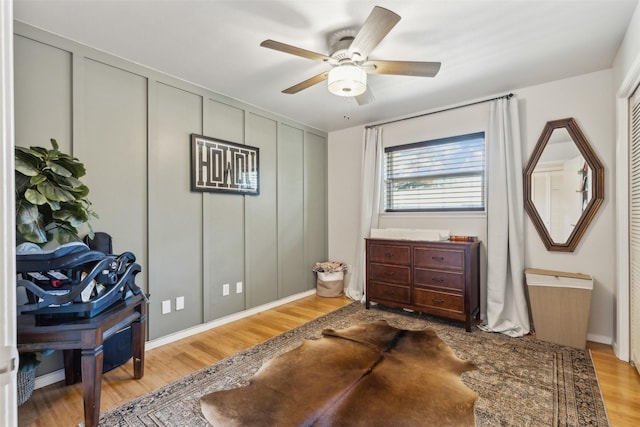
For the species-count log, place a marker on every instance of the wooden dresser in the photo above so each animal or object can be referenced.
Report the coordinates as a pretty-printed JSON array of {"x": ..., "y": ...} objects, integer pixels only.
[{"x": 439, "y": 278}]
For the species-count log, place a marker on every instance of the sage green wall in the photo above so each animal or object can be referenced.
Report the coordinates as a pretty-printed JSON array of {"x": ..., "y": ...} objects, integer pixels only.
[
  {"x": 130, "y": 126},
  {"x": 114, "y": 111},
  {"x": 261, "y": 224},
  {"x": 43, "y": 105},
  {"x": 290, "y": 211}
]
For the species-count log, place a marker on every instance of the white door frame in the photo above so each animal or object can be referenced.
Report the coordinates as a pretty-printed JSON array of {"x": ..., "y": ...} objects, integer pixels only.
[
  {"x": 8, "y": 353},
  {"x": 621, "y": 346}
]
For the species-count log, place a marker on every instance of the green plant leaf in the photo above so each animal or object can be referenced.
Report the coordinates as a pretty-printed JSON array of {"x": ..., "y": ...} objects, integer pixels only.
[
  {"x": 70, "y": 183},
  {"x": 26, "y": 168},
  {"x": 63, "y": 234},
  {"x": 26, "y": 213},
  {"x": 80, "y": 192},
  {"x": 37, "y": 179},
  {"x": 55, "y": 193},
  {"x": 22, "y": 183},
  {"x": 35, "y": 197},
  {"x": 72, "y": 164},
  {"x": 69, "y": 216},
  {"x": 43, "y": 153},
  {"x": 29, "y": 155},
  {"x": 51, "y": 202},
  {"x": 32, "y": 232},
  {"x": 58, "y": 169}
]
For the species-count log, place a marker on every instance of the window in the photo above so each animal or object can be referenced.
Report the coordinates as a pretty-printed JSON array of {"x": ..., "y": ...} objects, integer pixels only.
[{"x": 440, "y": 175}]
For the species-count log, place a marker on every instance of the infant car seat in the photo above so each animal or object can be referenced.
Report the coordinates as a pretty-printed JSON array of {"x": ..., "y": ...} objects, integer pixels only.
[{"x": 74, "y": 280}]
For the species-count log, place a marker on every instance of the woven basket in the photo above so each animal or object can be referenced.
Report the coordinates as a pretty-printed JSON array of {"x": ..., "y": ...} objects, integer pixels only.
[
  {"x": 330, "y": 284},
  {"x": 26, "y": 382}
]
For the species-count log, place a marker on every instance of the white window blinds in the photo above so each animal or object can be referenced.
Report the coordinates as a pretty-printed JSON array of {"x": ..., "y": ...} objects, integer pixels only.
[{"x": 441, "y": 175}]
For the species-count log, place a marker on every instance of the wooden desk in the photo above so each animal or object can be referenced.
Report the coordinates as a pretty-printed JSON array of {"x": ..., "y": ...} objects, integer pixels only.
[{"x": 87, "y": 336}]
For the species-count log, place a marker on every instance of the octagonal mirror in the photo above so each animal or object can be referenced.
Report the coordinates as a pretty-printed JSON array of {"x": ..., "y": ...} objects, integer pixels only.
[{"x": 563, "y": 185}]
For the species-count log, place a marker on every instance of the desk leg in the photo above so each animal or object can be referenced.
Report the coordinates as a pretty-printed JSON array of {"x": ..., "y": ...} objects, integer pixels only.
[
  {"x": 137, "y": 347},
  {"x": 92, "y": 359},
  {"x": 70, "y": 367}
]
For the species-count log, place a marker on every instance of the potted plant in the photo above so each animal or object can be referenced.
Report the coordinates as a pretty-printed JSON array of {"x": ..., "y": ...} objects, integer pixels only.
[{"x": 51, "y": 201}]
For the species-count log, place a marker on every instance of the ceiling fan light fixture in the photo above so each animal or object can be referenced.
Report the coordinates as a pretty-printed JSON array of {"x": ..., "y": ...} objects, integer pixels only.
[{"x": 347, "y": 80}]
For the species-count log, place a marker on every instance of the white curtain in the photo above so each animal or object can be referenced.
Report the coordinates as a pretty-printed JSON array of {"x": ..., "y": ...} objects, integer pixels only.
[
  {"x": 369, "y": 207},
  {"x": 506, "y": 301}
]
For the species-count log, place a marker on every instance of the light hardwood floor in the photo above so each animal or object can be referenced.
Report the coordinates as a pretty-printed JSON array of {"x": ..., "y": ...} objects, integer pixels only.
[{"x": 59, "y": 405}]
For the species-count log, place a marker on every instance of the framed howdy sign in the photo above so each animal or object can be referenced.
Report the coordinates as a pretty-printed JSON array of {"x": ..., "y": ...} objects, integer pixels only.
[{"x": 222, "y": 166}]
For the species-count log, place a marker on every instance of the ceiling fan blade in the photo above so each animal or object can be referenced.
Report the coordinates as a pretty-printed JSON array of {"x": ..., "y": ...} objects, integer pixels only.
[
  {"x": 293, "y": 50},
  {"x": 374, "y": 29},
  {"x": 403, "y": 68},
  {"x": 366, "y": 97},
  {"x": 307, "y": 83}
]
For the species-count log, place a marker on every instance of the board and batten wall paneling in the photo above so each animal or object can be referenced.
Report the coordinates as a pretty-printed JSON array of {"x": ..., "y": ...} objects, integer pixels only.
[
  {"x": 114, "y": 151},
  {"x": 43, "y": 110},
  {"x": 100, "y": 106},
  {"x": 223, "y": 227},
  {"x": 291, "y": 263},
  {"x": 175, "y": 213},
  {"x": 43, "y": 101},
  {"x": 315, "y": 200},
  {"x": 224, "y": 121},
  {"x": 261, "y": 219}
]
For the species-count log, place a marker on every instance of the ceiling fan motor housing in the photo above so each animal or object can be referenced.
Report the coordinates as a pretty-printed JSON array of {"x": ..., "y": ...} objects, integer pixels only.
[{"x": 339, "y": 51}]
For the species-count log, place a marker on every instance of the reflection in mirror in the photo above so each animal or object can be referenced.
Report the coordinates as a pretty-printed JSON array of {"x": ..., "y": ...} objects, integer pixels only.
[
  {"x": 560, "y": 185},
  {"x": 564, "y": 185}
]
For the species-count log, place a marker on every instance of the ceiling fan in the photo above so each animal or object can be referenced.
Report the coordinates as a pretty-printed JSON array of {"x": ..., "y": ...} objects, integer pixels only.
[{"x": 349, "y": 58}]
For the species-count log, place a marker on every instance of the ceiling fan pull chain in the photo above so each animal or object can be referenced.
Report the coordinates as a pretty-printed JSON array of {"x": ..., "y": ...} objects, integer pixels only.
[{"x": 347, "y": 115}]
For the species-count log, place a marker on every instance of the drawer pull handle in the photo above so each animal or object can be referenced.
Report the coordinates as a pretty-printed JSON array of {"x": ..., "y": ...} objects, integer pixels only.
[
  {"x": 388, "y": 254},
  {"x": 390, "y": 293},
  {"x": 437, "y": 258},
  {"x": 437, "y": 301},
  {"x": 437, "y": 280},
  {"x": 389, "y": 273}
]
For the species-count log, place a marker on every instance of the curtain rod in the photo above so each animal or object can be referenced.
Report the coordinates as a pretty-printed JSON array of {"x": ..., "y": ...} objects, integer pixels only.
[{"x": 507, "y": 96}]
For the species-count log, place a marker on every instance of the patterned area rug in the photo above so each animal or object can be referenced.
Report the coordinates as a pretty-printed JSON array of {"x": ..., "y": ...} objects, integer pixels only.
[{"x": 520, "y": 381}]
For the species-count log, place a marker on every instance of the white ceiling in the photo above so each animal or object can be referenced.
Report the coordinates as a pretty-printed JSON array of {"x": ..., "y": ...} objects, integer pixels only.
[{"x": 486, "y": 47}]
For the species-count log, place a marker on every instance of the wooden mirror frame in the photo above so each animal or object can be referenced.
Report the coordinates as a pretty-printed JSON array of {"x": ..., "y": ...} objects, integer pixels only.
[{"x": 597, "y": 182}]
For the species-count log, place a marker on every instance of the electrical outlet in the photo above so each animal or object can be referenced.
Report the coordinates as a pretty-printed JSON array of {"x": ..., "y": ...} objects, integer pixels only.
[
  {"x": 225, "y": 289},
  {"x": 179, "y": 303},
  {"x": 166, "y": 306},
  {"x": 238, "y": 287}
]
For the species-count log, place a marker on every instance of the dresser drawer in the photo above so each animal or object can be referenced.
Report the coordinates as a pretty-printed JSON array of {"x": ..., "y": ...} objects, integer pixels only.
[
  {"x": 439, "y": 300},
  {"x": 389, "y": 254},
  {"x": 440, "y": 279},
  {"x": 389, "y": 273},
  {"x": 436, "y": 278},
  {"x": 393, "y": 293},
  {"x": 438, "y": 258}
]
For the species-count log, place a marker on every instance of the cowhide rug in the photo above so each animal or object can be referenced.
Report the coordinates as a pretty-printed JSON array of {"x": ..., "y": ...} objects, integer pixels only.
[{"x": 366, "y": 375}]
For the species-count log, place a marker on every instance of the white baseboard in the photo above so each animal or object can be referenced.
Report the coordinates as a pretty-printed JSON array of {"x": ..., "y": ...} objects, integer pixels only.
[
  {"x": 602, "y": 339},
  {"x": 158, "y": 342},
  {"x": 48, "y": 379},
  {"x": 56, "y": 376}
]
